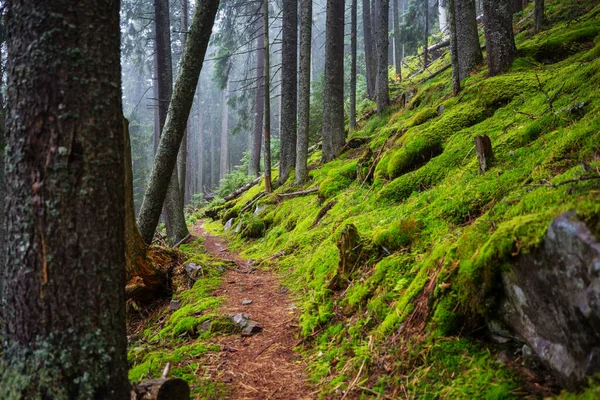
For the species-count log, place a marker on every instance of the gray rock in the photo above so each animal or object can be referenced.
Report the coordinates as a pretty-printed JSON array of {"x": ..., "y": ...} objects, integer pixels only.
[
  {"x": 205, "y": 326},
  {"x": 553, "y": 301},
  {"x": 238, "y": 228},
  {"x": 241, "y": 320},
  {"x": 228, "y": 225},
  {"x": 174, "y": 305},
  {"x": 251, "y": 329},
  {"x": 441, "y": 109},
  {"x": 246, "y": 302},
  {"x": 194, "y": 271},
  {"x": 260, "y": 209}
]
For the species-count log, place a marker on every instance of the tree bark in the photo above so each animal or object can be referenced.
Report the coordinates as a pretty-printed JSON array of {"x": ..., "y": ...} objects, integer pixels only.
[
  {"x": 500, "y": 40},
  {"x": 289, "y": 90},
  {"x": 467, "y": 37},
  {"x": 454, "y": 46},
  {"x": 64, "y": 321},
  {"x": 224, "y": 159},
  {"x": 201, "y": 138},
  {"x": 267, "y": 99},
  {"x": 370, "y": 61},
  {"x": 383, "y": 96},
  {"x": 539, "y": 15},
  {"x": 397, "y": 46},
  {"x": 179, "y": 109},
  {"x": 304, "y": 95},
  {"x": 254, "y": 165},
  {"x": 334, "y": 136},
  {"x": 182, "y": 156},
  {"x": 426, "y": 45},
  {"x": 353, "y": 32}
]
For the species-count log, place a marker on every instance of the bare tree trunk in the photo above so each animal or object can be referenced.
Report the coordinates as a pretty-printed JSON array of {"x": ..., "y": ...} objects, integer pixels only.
[
  {"x": 539, "y": 15},
  {"x": 267, "y": 113},
  {"x": 64, "y": 319},
  {"x": 500, "y": 40},
  {"x": 179, "y": 109},
  {"x": 289, "y": 91},
  {"x": 224, "y": 133},
  {"x": 182, "y": 156},
  {"x": 454, "y": 47},
  {"x": 201, "y": 138},
  {"x": 383, "y": 96},
  {"x": 254, "y": 165},
  {"x": 334, "y": 136},
  {"x": 353, "y": 45},
  {"x": 467, "y": 37},
  {"x": 215, "y": 159},
  {"x": 304, "y": 95},
  {"x": 426, "y": 52},
  {"x": 397, "y": 46},
  {"x": 370, "y": 62}
]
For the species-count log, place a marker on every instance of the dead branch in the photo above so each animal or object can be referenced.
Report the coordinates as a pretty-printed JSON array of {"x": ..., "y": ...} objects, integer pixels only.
[
  {"x": 555, "y": 185},
  {"x": 296, "y": 194},
  {"x": 247, "y": 206},
  {"x": 243, "y": 189}
]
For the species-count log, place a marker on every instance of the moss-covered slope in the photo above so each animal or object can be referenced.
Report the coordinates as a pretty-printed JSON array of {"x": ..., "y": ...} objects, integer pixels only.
[{"x": 408, "y": 319}]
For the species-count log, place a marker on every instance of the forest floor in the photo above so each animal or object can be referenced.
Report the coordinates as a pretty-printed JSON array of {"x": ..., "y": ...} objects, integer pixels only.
[{"x": 262, "y": 366}]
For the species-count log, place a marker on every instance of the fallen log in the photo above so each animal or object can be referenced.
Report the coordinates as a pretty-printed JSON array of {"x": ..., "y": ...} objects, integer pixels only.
[
  {"x": 440, "y": 45},
  {"x": 297, "y": 194},
  {"x": 242, "y": 190},
  {"x": 258, "y": 197}
]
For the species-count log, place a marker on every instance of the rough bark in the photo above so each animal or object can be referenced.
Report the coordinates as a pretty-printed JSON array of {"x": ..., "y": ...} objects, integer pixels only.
[
  {"x": 267, "y": 99},
  {"x": 334, "y": 136},
  {"x": 454, "y": 46},
  {"x": 254, "y": 165},
  {"x": 467, "y": 37},
  {"x": 201, "y": 138},
  {"x": 370, "y": 61},
  {"x": 485, "y": 153},
  {"x": 383, "y": 96},
  {"x": 397, "y": 46},
  {"x": 289, "y": 90},
  {"x": 224, "y": 159},
  {"x": 539, "y": 15},
  {"x": 353, "y": 32},
  {"x": 179, "y": 109},
  {"x": 426, "y": 44},
  {"x": 304, "y": 95},
  {"x": 182, "y": 156},
  {"x": 500, "y": 40},
  {"x": 64, "y": 321}
]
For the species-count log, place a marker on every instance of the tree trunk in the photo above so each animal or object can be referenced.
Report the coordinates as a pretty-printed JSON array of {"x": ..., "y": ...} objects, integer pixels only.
[
  {"x": 353, "y": 32},
  {"x": 289, "y": 91},
  {"x": 267, "y": 113},
  {"x": 370, "y": 61},
  {"x": 539, "y": 15},
  {"x": 500, "y": 40},
  {"x": 454, "y": 46},
  {"x": 182, "y": 156},
  {"x": 179, "y": 110},
  {"x": 64, "y": 321},
  {"x": 201, "y": 138},
  {"x": 397, "y": 46},
  {"x": 334, "y": 136},
  {"x": 467, "y": 37},
  {"x": 426, "y": 15},
  {"x": 304, "y": 95},
  {"x": 225, "y": 133},
  {"x": 383, "y": 96},
  {"x": 254, "y": 165}
]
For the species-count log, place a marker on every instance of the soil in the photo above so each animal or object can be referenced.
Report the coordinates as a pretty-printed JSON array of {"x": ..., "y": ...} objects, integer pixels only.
[{"x": 263, "y": 366}]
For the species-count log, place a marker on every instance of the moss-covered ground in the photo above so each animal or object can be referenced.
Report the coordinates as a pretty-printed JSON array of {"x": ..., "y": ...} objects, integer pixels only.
[{"x": 409, "y": 317}]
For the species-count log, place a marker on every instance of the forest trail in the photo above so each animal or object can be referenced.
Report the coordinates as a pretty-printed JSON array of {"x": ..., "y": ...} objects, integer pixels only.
[{"x": 263, "y": 366}]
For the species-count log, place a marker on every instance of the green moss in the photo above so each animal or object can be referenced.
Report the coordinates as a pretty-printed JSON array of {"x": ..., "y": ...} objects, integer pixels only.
[
  {"x": 252, "y": 226},
  {"x": 338, "y": 179},
  {"x": 414, "y": 154},
  {"x": 422, "y": 116},
  {"x": 398, "y": 235}
]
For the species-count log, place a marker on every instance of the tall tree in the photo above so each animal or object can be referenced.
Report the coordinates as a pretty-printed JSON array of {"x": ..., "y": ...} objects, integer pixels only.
[
  {"x": 467, "y": 37},
  {"x": 454, "y": 46},
  {"x": 304, "y": 95},
  {"x": 267, "y": 109},
  {"x": 539, "y": 15},
  {"x": 224, "y": 165},
  {"x": 182, "y": 156},
  {"x": 370, "y": 60},
  {"x": 254, "y": 165},
  {"x": 426, "y": 43},
  {"x": 334, "y": 136},
  {"x": 64, "y": 320},
  {"x": 179, "y": 110},
  {"x": 353, "y": 32},
  {"x": 289, "y": 91},
  {"x": 397, "y": 45},
  {"x": 383, "y": 96},
  {"x": 500, "y": 40}
]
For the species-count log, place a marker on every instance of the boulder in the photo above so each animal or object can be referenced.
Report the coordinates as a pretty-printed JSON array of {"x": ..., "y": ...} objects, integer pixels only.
[{"x": 552, "y": 300}]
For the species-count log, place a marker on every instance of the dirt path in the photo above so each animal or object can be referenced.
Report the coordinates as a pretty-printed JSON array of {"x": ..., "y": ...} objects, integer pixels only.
[{"x": 262, "y": 366}]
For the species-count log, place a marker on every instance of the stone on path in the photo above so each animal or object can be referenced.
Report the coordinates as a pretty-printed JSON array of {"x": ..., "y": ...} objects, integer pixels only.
[{"x": 246, "y": 302}]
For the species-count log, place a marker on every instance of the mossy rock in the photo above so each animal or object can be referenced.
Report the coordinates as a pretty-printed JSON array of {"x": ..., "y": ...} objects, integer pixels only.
[
  {"x": 338, "y": 180},
  {"x": 252, "y": 226},
  {"x": 422, "y": 116},
  {"x": 414, "y": 154},
  {"x": 560, "y": 46},
  {"x": 399, "y": 234}
]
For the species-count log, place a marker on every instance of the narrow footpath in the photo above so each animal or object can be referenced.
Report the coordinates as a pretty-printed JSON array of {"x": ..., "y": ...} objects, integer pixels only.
[{"x": 262, "y": 366}]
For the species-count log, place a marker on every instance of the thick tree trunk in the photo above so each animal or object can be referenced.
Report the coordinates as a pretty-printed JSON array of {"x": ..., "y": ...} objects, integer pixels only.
[
  {"x": 201, "y": 138},
  {"x": 289, "y": 91},
  {"x": 467, "y": 37},
  {"x": 179, "y": 110},
  {"x": 64, "y": 321},
  {"x": 500, "y": 40},
  {"x": 267, "y": 110},
  {"x": 397, "y": 45},
  {"x": 334, "y": 136},
  {"x": 454, "y": 46},
  {"x": 304, "y": 95},
  {"x": 182, "y": 156},
  {"x": 224, "y": 159},
  {"x": 383, "y": 96},
  {"x": 426, "y": 44},
  {"x": 370, "y": 62},
  {"x": 254, "y": 165},
  {"x": 539, "y": 15},
  {"x": 353, "y": 45}
]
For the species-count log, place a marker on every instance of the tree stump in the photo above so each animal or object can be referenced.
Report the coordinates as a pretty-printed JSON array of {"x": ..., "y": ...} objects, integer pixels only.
[
  {"x": 485, "y": 154},
  {"x": 350, "y": 249},
  {"x": 161, "y": 389}
]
